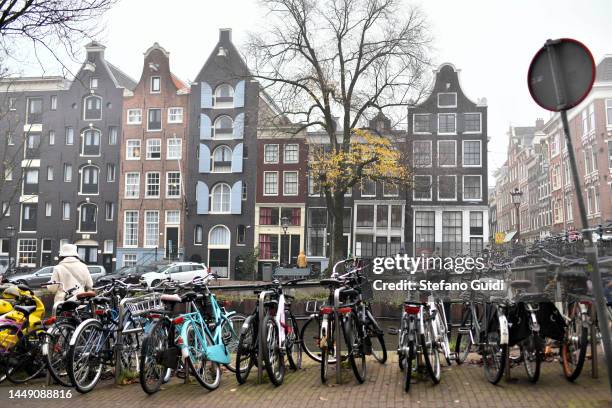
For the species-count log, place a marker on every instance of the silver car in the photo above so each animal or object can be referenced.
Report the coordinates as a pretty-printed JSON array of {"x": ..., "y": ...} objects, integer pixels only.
[{"x": 37, "y": 278}]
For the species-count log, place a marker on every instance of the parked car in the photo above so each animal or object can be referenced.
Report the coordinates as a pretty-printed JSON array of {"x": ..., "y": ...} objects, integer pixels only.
[
  {"x": 176, "y": 271},
  {"x": 129, "y": 274},
  {"x": 43, "y": 275}
]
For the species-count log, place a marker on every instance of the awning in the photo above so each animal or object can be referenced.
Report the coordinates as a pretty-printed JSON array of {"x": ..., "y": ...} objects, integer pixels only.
[{"x": 509, "y": 236}]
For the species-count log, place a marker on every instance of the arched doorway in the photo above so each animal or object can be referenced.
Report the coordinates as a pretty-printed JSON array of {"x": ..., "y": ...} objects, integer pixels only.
[{"x": 219, "y": 239}]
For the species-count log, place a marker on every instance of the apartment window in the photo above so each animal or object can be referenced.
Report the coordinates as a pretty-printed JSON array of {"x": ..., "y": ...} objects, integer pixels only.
[
  {"x": 447, "y": 153},
  {"x": 65, "y": 210},
  {"x": 364, "y": 245},
  {"x": 290, "y": 183},
  {"x": 34, "y": 112},
  {"x": 421, "y": 123},
  {"x": 12, "y": 103},
  {"x": 108, "y": 246},
  {"x": 69, "y": 136},
  {"x": 10, "y": 139},
  {"x": 134, "y": 116},
  {"x": 396, "y": 216},
  {"x": 452, "y": 233},
  {"x": 269, "y": 216},
  {"x": 155, "y": 84},
  {"x": 8, "y": 172},
  {"x": 471, "y": 153},
  {"x": 175, "y": 115},
  {"x": 365, "y": 215},
  {"x": 113, "y": 135},
  {"x": 110, "y": 172},
  {"x": 198, "y": 235},
  {"x": 173, "y": 184},
  {"x": 609, "y": 113},
  {"x": 422, "y": 188},
  {"x": 51, "y": 137},
  {"x": 368, "y": 187},
  {"x": 472, "y": 188},
  {"x": 153, "y": 149},
  {"x": 132, "y": 185},
  {"x": 93, "y": 82},
  {"x": 472, "y": 123},
  {"x": 130, "y": 260},
  {"x": 153, "y": 183},
  {"x": 132, "y": 151},
  {"x": 6, "y": 209},
  {"x": 26, "y": 252},
  {"x": 291, "y": 154},
  {"x": 88, "y": 217},
  {"x": 174, "y": 149},
  {"x": 382, "y": 215},
  {"x": 222, "y": 160},
  {"x": 48, "y": 209},
  {"x": 317, "y": 227},
  {"x": 447, "y": 187},
  {"x": 53, "y": 102},
  {"x": 568, "y": 207},
  {"x": 109, "y": 210},
  {"x": 224, "y": 95},
  {"x": 476, "y": 223},
  {"x": 314, "y": 186},
  {"x": 270, "y": 183},
  {"x": 130, "y": 229},
  {"x": 154, "y": 121},
  {"x": 49, "y": 173},
  {"x": 151, "y": 228},
  {"x": 244, "y": 190},
  {"x": 270, "y": 153},
  {"x": 610, "y": 154},
  {"x": 67, "y": 172},
  {"x": 89, "y": 180},
  {"x": 268, "y": 246},
  {"x": 421, "y": 151},
  {"x": 447, "y": 123},
  {"x": 224, "y": 127},
  {"x": 173, "y": 217},
  {"x": 92, "y": 108},
  {"x": 476, "y": 245},
  {"x": 91, "y": 143},
  {"x": 220, "y": 198},
  {"x": 240, "y": 234},
  {"x": 292, "y": 214},
  {"x": 447, "y": 100},
  {"x": 390, "y": 189}
]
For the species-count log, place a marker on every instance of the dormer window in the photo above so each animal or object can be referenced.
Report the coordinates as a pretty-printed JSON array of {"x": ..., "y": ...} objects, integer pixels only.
[
  {"x": 93, "y": 82},
  {"x": 224, "y": 96},
  {"x": 447, "y": 100},
  {"x": 155, "y": 84},
  {"x": 92, "y": 108}
]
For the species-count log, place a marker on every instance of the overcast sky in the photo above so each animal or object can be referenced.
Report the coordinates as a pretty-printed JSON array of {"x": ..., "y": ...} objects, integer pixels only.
[{"x": 491, "y": 41}]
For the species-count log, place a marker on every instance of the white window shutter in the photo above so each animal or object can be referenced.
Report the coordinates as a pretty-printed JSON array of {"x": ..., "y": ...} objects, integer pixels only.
[
  {"x": 239, "y": 126},
  {"x": 237, "y": 159},
  {"x": 204, "y": 160},
  {"x": 205, "y": 127},
  {"x": 205, "y": 95},
  {"x": 202, "y": 198},
  {"x": 236, "y": 198},
  {"x": 239, "y": 95}
]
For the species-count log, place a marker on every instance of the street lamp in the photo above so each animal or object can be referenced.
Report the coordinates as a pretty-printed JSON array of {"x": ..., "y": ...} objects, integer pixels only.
[
  {"x": 517, "y": 198},
  {"x": 285, "y": 226},
  {"x": 10, "y": 233}
]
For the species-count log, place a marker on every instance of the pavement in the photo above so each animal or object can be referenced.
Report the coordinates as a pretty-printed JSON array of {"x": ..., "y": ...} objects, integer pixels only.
[{"x": 461, "y": 386}]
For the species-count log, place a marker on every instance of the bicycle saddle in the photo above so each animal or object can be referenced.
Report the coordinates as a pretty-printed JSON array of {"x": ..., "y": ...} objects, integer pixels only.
[
  {"x": 536, "y": 297},
  {"x": 520, "y": 284},
  {"x": 99, "y": 300},
  {"x": 86, "y": 295},
  {"x": 170, "y": 298},
  {"x": 26, "y": 310},
  {"x": 67, "y": 306}
]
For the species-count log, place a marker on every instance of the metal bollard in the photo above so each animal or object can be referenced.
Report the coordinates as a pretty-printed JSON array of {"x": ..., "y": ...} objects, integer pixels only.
[{"x": 338, "y": 337}]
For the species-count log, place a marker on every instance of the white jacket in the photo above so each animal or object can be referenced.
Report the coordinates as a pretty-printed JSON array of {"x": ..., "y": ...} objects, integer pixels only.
[{"x": 71, "y": 272}]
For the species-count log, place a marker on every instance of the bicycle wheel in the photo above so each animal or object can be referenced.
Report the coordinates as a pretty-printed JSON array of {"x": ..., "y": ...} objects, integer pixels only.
[
  {"x": 494, "y": 353},
  {"x": 463, "y": 343},
  {"x": 310, "y": 338},
  {"x": 530, "y": 352},
  {"x": 230, "y": 329},
  {"x": 430, "y": 352},
  {"x": 272, "y": 354},
  {"x": 293, "y": 345},
  {"x": 407, "y": 371},
  {"x": 326, "y": 345},
  {"x": 55, "y": 350},
  {"x": 85, "y": 356},
  {"x": 26, "y": 359},
  {"x": 376, "y": 338},
  {"x": 152, "y": 371},
  {"x": 130, "y": 354},
  {"x": 246, "y": 351},
  {"x": 443, "y": 342},
  {"x": 354, "y": 346},
  {"x": 208, "y": 373},
  {"x": 575, "y": 343}
]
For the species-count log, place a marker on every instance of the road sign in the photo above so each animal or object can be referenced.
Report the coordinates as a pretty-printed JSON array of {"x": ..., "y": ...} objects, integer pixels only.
[{"x": 561, "y": 74}]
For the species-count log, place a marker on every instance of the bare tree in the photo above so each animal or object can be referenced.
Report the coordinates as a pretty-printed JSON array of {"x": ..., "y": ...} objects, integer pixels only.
[{"x": 344, "y": 58}]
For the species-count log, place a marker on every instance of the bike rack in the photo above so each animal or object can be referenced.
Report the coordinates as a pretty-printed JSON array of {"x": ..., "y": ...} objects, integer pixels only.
[
  {"x": 337, "y": 334},
  {"x": 260, "y": 339}
]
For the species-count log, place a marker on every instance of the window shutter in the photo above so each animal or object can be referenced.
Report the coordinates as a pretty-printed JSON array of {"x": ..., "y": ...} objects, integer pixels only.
[
  {"x": 204, "y": 160},
  {"x": 205, "y": 95},
  {"x": 205, "y": 127},
  {"x": 239, "y": 95},
  {"x": 202, "y": 198},
  {"x": 239, "y": 126},
  {"x": 236, "y": 198},
  {"x": 237, "y": 159}
]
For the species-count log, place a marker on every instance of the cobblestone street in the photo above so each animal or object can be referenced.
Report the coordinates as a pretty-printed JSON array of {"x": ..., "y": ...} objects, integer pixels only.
[{"x": 463, "y": 386}]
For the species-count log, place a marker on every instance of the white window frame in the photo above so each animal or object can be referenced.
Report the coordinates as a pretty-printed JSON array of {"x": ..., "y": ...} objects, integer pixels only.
[
  {"x": 297, "y": 183},
  {"x": 297, "y": 157},
  {"x": 136, "y": 119},
  {"x": 180, "y": 148},
  {"x": 161, "y": 121},
  {"x": 168, "y": 184},
  {"x": 69, "y": 130},
  {"x": 264, "y": 183},
  {"x": 277, "y": 153},
  {"x": 454, "y": 142},
  {"x": 127, "y": 149},
  {"x": 367, "y": 195},
  {"x": 473, "y": 132},
  {"x": 463, "y": 187},
  {"x": 19, "y": 252},
  {"x": 414, "y": 115},
  {"x": 177, "y": 114},
  {"x": 51, "y": 137},
  {"x": 67, "y": 176},
  {"x": 446, "y": 106},
  {"x": 146, "y": 192},
  {"x": 385, "y": 194},
  {"x": 50, "y": 173},
  {"x": 93, "y": 82},
  {"x": 608, "y": 106},
  {"x": 108, "y": 246},
  {"x": 438, "y": 189},
  {"x": 94, "y": 96},
  {"x": 430, "y": 188},
  {"x": 151, "y": 87},
  {"x": 447, "y": 113},
  {"x": 146, "y": 243},
  {"x": 137, "y": 189},
  {"x": 125, "y": 213},
  {"x": 212, "y": 201},
  {"x": 430, "y": 153},
  {"x": 112, "y": 212},
  {"x": 66, "y": 205},
  {"x": 463, "y": 153},
  {"x": 133, "y": 261},
  {"x": 149, "y": 145},
  {"x": 53, "y": 103},
  {"x": 167, "y": 220},
  {"x": 48, "y": 209},
  {"x": 110, "y": 173}
]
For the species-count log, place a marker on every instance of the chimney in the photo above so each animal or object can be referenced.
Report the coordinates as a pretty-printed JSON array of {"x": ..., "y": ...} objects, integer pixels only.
[
  {"x": 539, "y": 124},
  {"x": 225, "y": 35}
]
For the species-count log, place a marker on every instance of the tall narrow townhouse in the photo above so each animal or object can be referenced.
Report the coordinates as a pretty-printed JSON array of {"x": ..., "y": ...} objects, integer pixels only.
[
  {"x": 66, "y": 137},
  {"x": 153, "y": 145},
  {"x": 222, "y": 155},
  {"x": 447, "y": 211}
]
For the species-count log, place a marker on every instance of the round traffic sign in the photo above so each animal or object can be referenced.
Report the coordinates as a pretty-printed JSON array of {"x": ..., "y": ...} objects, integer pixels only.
[{"x": 561, "y": 74}]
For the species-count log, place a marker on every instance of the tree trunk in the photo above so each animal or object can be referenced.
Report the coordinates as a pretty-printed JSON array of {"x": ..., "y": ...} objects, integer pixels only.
[{"x": 336, "y": 250}]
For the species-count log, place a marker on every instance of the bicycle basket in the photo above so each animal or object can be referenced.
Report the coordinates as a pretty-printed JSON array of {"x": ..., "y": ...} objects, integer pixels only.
[
  {"x": 367, "y": 293},
  {"x": 144, "y": 304}
]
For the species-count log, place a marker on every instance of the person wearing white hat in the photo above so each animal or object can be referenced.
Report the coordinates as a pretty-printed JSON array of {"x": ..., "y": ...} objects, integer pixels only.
[{"x": 71, "y": 272}]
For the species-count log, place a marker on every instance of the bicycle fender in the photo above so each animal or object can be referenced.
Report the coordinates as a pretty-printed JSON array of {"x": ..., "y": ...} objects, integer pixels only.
[
  {"x": 247, "y": 322},
  {"x": 79, "y": 328},
  {"x": 503, "y": 329}
]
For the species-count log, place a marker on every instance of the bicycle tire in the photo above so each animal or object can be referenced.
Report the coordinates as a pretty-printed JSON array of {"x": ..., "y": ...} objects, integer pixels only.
[
  {"x": 462, "y": 351},
  {"x": 572, "y": 367},
  {"x": 374, "y": 332},
  {"x": 530, "y": 351},
  {"x": 56, "y": 349},
  {"x": 247, "y": 349},
  {"x": 492, "y": 348},
  {"x": 325, "y": 350},
  {"x": 87, "y": 329},
  {"x": 355, "y": 351},
  {"x": 197, "y": 360},
  {"x": 155, "y": 342},
  {"x": 293, "y": 343},
  {"x": 407, "y": 370},
  {"x": 312, "y": 350},
  {"x": 443, "y": 334},
  {"x": 231, "y": 337},
  {"x": 430, "y": 352},
  {"x": 272, "y": 352},
  {"x": 31, "y": 361}
]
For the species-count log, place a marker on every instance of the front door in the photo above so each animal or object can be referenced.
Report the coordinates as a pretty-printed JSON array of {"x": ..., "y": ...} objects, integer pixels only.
[
  {"x": 218, "y": 262},
  {"x": 172, "y": 234},
  {"x": 107, "y": 262},
  {"x": 88, "y": 254}
]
